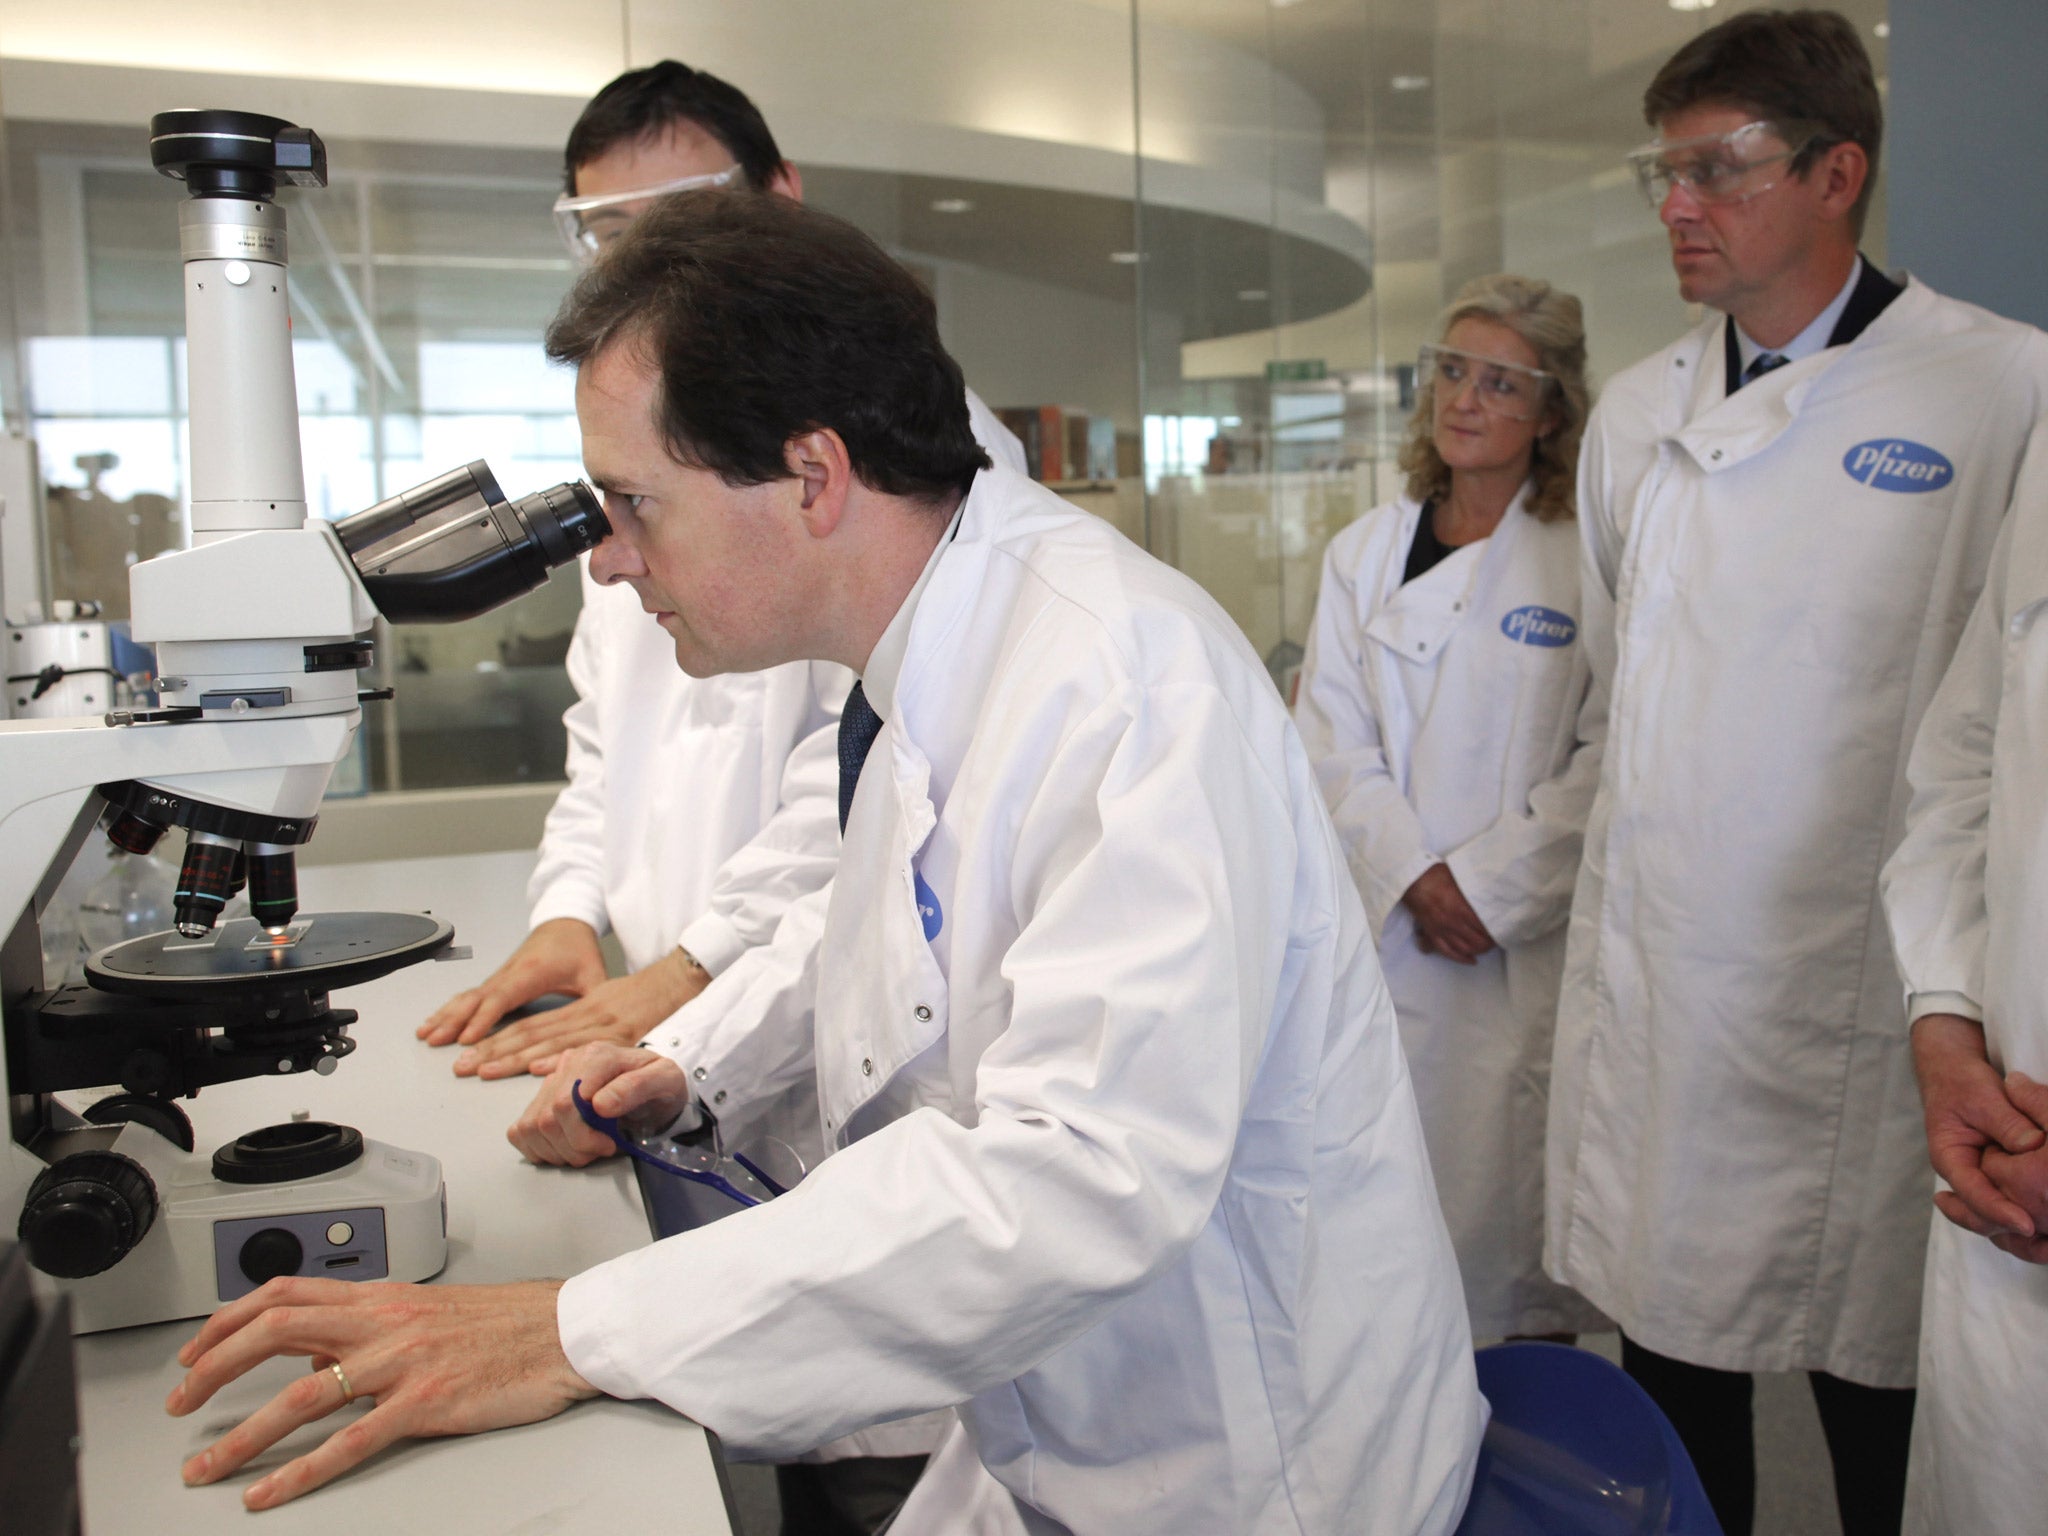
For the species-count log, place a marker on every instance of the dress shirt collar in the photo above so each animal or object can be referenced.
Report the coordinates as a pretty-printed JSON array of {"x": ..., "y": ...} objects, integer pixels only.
[
  {"x": 885, "y": 666},
  {"x": 1814, "y": 338}
]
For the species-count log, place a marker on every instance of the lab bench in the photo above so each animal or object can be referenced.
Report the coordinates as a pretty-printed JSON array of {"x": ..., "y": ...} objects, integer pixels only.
[{"x": 604, "y": 1466}]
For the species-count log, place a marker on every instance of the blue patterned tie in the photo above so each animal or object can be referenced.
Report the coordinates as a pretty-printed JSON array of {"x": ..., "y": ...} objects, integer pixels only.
[
  {"x": 858, "y": 725},
  {"x": 1763, "y": 363}
]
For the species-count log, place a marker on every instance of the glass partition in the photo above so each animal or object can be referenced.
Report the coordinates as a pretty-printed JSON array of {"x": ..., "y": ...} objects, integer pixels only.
[{"x": 1187, "y": 248}]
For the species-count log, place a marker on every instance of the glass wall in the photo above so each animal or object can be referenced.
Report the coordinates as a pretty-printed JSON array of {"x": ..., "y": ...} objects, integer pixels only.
[{"x": 1188, "y": 248}]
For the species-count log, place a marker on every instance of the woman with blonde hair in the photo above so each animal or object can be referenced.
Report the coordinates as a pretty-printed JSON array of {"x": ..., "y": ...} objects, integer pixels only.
[{"x": 1439, "y": 700}]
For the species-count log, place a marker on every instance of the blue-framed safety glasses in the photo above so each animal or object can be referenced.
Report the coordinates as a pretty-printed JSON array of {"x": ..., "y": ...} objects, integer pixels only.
[{"x": 701, "y": 1158}]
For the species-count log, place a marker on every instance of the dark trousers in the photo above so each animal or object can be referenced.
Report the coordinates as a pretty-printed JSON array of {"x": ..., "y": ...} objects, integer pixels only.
[
  {"x": 856, "y": 1496},
  {"x": 1867, "y": 1430}
]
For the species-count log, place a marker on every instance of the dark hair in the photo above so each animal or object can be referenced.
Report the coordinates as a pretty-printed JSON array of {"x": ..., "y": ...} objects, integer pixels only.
[
  {"x": 1805, "y": 71},
  {"x": 645, "y": 103},
  {"x": 766, "y": 320}
]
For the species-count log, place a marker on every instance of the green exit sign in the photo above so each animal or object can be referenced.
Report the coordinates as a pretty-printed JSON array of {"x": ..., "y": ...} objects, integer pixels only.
[{"x": 1298, "y": 370}]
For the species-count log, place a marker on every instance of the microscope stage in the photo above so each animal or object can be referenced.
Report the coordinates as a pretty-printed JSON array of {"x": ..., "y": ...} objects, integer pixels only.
[{"x": 323, "y": 952}]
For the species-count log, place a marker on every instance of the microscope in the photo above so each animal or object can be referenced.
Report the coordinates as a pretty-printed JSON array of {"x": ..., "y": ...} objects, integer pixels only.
[{"x": 261, "y": 625}]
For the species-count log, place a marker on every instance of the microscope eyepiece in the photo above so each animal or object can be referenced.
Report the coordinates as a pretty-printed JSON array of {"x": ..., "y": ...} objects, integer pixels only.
[{"x": 455, "y": 547}]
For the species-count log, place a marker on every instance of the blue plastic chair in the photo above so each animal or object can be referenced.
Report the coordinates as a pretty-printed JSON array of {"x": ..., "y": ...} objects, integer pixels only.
[{"x": 1576, "y": 1448}]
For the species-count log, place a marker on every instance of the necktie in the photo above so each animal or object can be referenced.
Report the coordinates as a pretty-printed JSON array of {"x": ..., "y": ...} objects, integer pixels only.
[
  {"x": 858, "y": 725},
  {"x": 1763, "y": 363}
]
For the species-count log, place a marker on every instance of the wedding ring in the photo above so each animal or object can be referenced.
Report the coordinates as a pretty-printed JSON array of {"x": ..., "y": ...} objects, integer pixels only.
[{"x": 348, "y": 1393}]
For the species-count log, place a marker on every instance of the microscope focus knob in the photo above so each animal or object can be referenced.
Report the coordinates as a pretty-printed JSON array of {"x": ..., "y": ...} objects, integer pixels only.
[
  {"x": 270, "y": 1253},
  {"x": 85, "y": 1212}
]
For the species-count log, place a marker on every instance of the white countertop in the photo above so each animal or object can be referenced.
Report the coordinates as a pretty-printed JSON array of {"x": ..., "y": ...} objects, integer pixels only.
[{"x": 603, "y": 1467}]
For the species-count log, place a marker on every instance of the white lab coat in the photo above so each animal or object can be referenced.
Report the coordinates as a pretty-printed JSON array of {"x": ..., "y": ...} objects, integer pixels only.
[
  {"x": 1774, "y": 583},
  {"x": 1127, "y": 1162},
  {"x": 670, "y": 776},
  {"x": 1432, "y": 710},
  {"x": 1967, "y": 893}
]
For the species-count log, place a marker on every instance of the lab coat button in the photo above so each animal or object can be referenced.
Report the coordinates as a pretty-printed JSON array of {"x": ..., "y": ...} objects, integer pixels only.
[
  {"x": 1717, "y": 455},
  {"x": 718, "y": 1097},
  {"x": 924, "y": 1014},
  {"x": 700, "y": 1074},
  {"x": 867, "y": 1066}
]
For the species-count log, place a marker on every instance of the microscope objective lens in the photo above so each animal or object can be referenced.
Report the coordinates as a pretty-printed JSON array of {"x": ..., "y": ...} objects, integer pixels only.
[
  {"x": 273, "y": 887},
  {"x": 205, "y": 881}
]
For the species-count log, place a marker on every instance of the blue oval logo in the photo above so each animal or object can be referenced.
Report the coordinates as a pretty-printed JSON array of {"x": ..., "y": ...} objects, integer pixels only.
[
  {"x": 1893, "y": 464},
  {"x": 1535, "y": 625},
  {"x": 928, "y": 909}
]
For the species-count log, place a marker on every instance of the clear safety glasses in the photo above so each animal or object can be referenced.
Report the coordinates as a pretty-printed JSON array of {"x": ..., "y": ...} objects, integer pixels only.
[
  {"x": 1504, "y": 388},
  {"x": 589, "y": 224},
  {"x": 702, "y": 1159},
  {"x": 1718, "y": 168}
]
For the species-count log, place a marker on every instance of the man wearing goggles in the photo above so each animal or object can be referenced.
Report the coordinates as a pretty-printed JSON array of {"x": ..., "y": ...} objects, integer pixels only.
[
  {"x": 593, "y": 220},
  {"x": 1785, "y": 517},
  {"x": 698, "y": 810}
]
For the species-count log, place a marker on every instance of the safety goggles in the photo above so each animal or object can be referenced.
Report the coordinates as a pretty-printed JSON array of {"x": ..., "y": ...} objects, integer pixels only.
[
  {"x": 589, "y": 224},
  {"x": 1718, "y": 168},
  {"x": 701, "y": 1160},
  {"x": 1503, "y": 388}
]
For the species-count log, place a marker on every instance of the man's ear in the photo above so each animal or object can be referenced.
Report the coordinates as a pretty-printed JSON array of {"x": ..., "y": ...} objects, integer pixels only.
[
  {"x": 788, "y": 181},
  {"x": 818, "y": 462},
  {"x": 1841, "y": 172}
]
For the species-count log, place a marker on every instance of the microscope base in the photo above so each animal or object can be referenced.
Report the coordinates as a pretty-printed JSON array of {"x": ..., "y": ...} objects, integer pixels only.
[{"x": 384, "y": 1217}]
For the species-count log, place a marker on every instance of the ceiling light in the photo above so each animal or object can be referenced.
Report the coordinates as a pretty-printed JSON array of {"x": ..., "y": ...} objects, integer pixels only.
[
  {"x": 1883, "y": 29},
  {"x": 1252, "y": 295},
  {"x": 1692, "y": 5},
  {"x": 1124, "y": 258},
  {"x": 952, "y": 205},
  {"x": 1419, "y": 82}
]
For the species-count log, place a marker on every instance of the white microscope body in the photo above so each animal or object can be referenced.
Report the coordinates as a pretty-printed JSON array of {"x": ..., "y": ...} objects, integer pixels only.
[{"x": 259, "y": 625}]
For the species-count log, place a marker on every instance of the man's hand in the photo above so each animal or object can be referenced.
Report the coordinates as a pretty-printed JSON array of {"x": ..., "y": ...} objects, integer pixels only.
[
  {"x": 622, "y": 1011},
  {"x": 1445, "y": 923},
  {"x": 2024, "y": 1179},
  {"x": 440, "y": 1360},
  {"x": 1970, "y": 1115},
  {"x": 561, "y": 955},
  {"x": 617, "y": 1082}
]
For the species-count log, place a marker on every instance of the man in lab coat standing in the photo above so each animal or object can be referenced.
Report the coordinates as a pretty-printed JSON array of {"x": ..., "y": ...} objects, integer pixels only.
[
  {"x": 1786, "y": 516},
  {"x": 1967, "y": 893},
  {"x": 1125, "y": 1159},
  {"x": 697, "y": 809}
]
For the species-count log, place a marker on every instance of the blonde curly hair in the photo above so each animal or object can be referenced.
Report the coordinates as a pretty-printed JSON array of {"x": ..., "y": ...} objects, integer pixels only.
[{"x": 1553, "y": 323}]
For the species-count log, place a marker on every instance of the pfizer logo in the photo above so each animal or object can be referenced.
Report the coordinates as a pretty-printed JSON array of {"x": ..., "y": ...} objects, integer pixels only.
[
  {"x": 1893, "y": 464},
  {"x": 1536, "y": 625},
  {"x": 928, "y": 909}
]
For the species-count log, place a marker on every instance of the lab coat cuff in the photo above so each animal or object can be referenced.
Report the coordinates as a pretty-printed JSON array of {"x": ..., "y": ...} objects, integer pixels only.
[
  {"x": 714, "y": 941},
  {"x": 587, "y": 1313},
  {"x": 1921, "y": 1004},
  {"x": 1383, "y": 892},
  {"x": 568, "y": 898},
  {"x": 685, "y": 1050}
]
